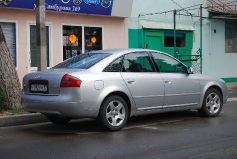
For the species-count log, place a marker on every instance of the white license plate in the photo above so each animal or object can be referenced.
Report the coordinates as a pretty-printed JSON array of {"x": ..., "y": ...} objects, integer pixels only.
[{"x": 39, "y": 88}]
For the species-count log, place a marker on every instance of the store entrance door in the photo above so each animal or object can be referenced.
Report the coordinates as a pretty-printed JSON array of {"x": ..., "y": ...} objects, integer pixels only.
[{"x": 152, "y": 40}]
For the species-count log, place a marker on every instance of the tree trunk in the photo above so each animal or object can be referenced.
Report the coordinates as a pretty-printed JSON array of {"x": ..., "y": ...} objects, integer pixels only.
[{"x": 9, "y": 81}]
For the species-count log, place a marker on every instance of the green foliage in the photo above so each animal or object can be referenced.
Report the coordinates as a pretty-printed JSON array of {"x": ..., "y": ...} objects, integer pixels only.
[{"x": 17, "y": 111}]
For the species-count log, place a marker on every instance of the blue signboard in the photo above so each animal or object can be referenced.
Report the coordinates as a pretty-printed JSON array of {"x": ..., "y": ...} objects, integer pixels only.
[{"x": 101, "y": 7}]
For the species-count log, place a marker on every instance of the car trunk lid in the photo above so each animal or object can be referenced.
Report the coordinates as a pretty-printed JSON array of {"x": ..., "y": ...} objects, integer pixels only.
[{"x": 45, "y": 82}]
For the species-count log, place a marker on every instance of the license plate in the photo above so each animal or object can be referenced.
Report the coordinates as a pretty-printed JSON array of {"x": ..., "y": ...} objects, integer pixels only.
[{"x": 39, "y": 88}]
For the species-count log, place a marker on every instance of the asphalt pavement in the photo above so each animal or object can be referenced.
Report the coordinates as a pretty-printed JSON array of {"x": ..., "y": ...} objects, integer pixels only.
[
  {"x": 24, "y": 119},
  {"x": 176, "y": 135}
]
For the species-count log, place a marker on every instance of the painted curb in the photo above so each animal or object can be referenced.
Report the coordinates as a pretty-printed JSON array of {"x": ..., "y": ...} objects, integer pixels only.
[{"x": 231, "y": 99}]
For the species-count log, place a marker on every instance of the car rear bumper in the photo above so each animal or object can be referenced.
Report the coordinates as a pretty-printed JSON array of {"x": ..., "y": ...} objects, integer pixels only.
[{"x": 55, "y": 105}]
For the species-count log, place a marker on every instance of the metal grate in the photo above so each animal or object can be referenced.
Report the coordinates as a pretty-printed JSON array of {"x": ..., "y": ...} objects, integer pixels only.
[{"x": 191, "y": 61}]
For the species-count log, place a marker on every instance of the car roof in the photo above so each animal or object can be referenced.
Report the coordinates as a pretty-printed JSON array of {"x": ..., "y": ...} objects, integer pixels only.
[{"x": 120, "y": 51}]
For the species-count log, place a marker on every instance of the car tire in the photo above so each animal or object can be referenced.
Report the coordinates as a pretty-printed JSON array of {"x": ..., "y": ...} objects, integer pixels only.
[
  {"x": 58, "y": 120},
  {"x": 212, "y": 103},
  {"x": 113, "y": 113}
]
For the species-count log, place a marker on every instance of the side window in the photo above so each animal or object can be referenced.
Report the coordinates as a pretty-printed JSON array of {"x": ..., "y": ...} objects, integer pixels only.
[
  {"x": 115, "y": 66},
  {"x": 167, "y": 64},
  {"x": 137, "y": 62},
  {"x": 9, "y": 30}
]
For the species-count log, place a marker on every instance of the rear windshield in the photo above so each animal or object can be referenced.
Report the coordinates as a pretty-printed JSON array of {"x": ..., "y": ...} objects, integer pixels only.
[{"x": 83, "y": 61}]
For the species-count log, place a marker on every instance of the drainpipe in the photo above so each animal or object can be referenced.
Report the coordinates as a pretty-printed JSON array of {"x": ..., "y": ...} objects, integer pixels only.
[
  {"x": 175, "y": 54},
  {"x": 210, "y": 38},
  {"x": 200, "y": 39}
]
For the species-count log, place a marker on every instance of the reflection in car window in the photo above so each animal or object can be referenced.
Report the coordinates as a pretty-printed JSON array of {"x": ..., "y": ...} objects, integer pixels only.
[
  {"x": 83, "y": 61},
  {"x": 167, "y": 64},
  {"x": 115, "y": 66},
  {"x": 137, "y": 62}
]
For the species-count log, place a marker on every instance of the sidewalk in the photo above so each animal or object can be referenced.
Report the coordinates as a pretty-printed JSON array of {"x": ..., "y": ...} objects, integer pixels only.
[
  {"x": 232, "y": 90},
  {"x": 232, "y": 86},
  {"x": 24, "y": 119}
]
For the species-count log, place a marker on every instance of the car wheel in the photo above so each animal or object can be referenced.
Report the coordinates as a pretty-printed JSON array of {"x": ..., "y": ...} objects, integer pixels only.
[
  {"x": 58, "y": 120},
  {"x": 113, "y": 113},
  {"x": 212, "y": 103}
]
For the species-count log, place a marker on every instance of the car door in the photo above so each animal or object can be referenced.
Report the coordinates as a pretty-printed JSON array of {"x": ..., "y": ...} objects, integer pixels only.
[
  {"x": 181, "y": 88},
  {"x": 145, "y": 85}
]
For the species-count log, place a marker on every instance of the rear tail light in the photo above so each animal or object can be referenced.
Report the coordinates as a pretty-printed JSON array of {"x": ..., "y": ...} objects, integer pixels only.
[{"x": 70, "y": 81}]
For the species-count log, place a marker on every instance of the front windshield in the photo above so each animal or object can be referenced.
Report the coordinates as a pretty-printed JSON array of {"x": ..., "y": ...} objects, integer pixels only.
[{"x": 83, "y": 61}]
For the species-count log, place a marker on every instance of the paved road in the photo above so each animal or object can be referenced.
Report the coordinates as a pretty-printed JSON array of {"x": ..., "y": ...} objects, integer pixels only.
[{"x": 169, "y": 135}]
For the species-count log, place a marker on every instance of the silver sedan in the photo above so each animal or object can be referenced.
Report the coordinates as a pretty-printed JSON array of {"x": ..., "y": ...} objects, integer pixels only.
[{"x": 113, "y": 85}]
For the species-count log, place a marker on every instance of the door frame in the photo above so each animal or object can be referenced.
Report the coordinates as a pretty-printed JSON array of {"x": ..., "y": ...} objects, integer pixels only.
[{"x": 33, "y": 69}]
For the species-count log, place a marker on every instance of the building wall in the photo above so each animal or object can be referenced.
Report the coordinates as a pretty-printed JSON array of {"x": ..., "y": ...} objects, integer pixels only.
[
  {"x": 136, "y": 39},
  {"x": 215, "y": 61},
  {"x": 115, "y": 33},
  {"x": 221, "y": 63}
]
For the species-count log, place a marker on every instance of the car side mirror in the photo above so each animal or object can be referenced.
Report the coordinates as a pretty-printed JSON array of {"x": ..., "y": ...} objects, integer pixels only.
[{"x": 190, "y": 70}]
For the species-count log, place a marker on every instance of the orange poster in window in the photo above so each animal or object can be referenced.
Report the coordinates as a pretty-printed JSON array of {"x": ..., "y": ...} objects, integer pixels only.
[
  {"x": 93, "y": 39},
  {"x": 72, "y": 38}
]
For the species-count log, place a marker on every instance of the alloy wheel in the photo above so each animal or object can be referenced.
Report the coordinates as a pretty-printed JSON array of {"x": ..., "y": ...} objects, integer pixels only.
[
  {"x": 115, "y": 113},
  {"x": 213, "y": 103}
]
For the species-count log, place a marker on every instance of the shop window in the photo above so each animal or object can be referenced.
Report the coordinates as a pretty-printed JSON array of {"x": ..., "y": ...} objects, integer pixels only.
[
  {"x": 33, "y": 46},
  {"x": 93, "y": 38},
  {"x": 9, "y": 31},
  {"x": 72, "y": 41},
  {"x": 169, "y": 39},
  {"x": 230, "y": 37}
]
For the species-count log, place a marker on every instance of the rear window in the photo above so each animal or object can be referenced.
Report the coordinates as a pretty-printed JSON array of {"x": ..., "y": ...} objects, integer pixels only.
[{"x": 83, "y": 61}]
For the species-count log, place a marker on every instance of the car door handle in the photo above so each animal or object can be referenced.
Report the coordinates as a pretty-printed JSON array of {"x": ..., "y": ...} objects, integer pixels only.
[
  {"x": 168, "y": 82},
  {"x": 130, "y": 82}
]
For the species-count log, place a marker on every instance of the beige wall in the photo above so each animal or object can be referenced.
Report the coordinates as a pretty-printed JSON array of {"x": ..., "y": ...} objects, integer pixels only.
[{"x": 115, "y": 32}]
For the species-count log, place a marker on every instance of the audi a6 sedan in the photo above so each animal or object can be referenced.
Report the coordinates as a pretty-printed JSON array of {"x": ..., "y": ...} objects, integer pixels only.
[{"x": 113, "y": 85}]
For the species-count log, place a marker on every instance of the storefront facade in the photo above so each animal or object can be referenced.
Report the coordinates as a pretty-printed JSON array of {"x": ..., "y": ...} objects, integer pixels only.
[{"x": 73, "y": 27}]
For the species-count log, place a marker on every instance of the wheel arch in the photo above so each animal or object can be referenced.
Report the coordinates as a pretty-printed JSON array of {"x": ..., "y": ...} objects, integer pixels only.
[
  {"x": 215, "y": 86},
  {"x": 124, "y": 96}
]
